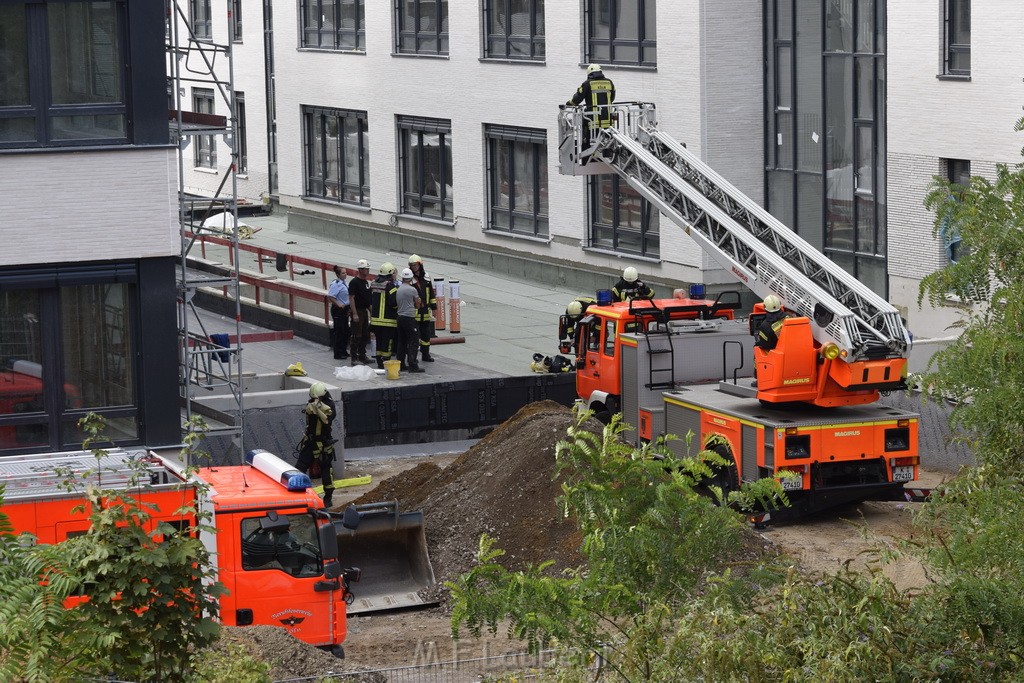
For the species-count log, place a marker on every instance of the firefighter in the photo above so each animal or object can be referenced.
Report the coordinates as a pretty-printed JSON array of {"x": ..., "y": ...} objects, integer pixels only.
[
  {"x": 316, "y": 449},
  {"x": 767, "y": 334},
  {"x": 597, "y": 94},
  {"x": 384, "y": 311},
  {"x": 630, "y": 286},
  {"x": 574, "y": 312},
  {"x": 428, "y": 305}
]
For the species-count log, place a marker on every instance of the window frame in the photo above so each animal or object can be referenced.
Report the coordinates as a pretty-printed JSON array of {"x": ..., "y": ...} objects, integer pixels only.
[
  {"x": 335, "y": 35},
  {"x": 420, "y": 37},
  {"x": 537, "y": 220},
  {"x": 409, "y": 126},
  {"x": 200, "y": 19},
  {"x": 236, "y": 21},
  {"x": 950, "y": 49},
  {"x": 242, "y": 145},
  {"x": 318, "y": 116},
  {"x": 534, "y": 42},
  {"x": 957, "y": 171},
  {"x": 646, "y": 47},
  {"x": 204, "y": 153},
  {"x": 649, "y": 236}
]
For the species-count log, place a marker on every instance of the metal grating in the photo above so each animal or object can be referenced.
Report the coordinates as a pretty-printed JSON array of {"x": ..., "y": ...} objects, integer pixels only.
[{"x": 749, "y": 452}]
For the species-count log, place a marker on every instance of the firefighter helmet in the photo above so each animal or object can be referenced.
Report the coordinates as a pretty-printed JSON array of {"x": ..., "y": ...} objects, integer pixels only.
[
  {"x": 317, "y": 389},
  {"x": 387, "y": 268},
  {"x": 630, "y": 274},
  {"x": 772, "y": 303},
  {"x": 591, "y": 68},
  {"x": 415, "y": 258},
  {"x": 574, "y": 308}
]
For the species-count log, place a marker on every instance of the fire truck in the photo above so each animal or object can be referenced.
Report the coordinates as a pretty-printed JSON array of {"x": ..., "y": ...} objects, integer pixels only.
[
  {"x": 275, "y": 548},
  {"x": 679, "y": 366}
]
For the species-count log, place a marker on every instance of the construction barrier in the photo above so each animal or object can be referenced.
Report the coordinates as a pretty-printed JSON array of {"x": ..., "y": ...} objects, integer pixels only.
[
  {"x": 441, "y": 315},
  {"x": 454, "y": 314}
]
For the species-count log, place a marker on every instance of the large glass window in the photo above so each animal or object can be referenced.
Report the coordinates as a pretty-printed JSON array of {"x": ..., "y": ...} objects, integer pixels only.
[
  {"x": 621, "y": 32},
  {"x": 518, "y": 180},
  {"x": 514, "y": 29},
  {"x": 957, "y": 171},
  {"x": 200, "y": 15},
  {"x": 337, "y": 155},
  {"x": 333, "y": 24},
  {"x": 293, "y": 548},
  {"x": 425, "y": 158},
  {"x": 62, "y": 73},
  {"x": 621, "y": 219},
  {"x": 957, "y": 38},
  {"x": 205, "y": 155},
  {"x": 422, "y": 27},
  {"x": 66, "y": 350}
]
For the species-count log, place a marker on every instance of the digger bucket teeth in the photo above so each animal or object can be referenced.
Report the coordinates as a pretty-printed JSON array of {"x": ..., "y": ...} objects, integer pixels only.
[{"x": 390, "y": 547}]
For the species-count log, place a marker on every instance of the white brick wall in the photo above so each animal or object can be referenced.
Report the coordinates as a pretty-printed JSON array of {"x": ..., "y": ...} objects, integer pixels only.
[{"x": 89, "y": 206}]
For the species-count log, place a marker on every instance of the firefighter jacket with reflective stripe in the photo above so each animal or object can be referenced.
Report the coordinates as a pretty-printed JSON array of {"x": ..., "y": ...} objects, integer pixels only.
[
  {"x": 383, "y": 302},
  {"x": 425, "y": 287},
  {"x": 624, "y": 291},
  {"x": 597, "y": 93}
]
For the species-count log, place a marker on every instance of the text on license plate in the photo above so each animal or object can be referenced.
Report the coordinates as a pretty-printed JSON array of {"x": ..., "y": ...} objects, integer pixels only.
[{"x": 903, "y": 473}]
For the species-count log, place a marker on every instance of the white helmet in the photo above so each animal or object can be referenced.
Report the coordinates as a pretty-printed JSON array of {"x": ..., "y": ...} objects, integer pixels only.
[
  {"x": 591, "y": 68},
  {"x": 362, "y": 263},
  {"x": 387, "y": 268},
  {"x": 574, "y": 308},
  {"x": 406, "y": 273},
  {"x": 415, "y": 258},
  {"x": 317, "y": 389},
  {"x": 772, "y": 303},
  {"x": 630, "y": 274}
]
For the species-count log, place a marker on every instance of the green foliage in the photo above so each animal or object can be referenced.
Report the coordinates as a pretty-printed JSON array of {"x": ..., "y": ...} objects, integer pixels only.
[{"x": 231, "y": 665}]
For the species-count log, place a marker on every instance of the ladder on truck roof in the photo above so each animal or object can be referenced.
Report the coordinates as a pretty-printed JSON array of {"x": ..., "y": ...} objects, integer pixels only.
[
  {"x": 35, "y": 476},
  {"x": 754, "y": 246}
]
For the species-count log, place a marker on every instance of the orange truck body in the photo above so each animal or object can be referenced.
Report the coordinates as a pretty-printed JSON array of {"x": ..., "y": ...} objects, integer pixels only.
[
  {"x": 678, "y": 380},
  {"x": 265, "y": 586}
]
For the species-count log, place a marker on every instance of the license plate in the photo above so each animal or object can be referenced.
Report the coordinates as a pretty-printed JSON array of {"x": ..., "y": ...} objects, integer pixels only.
[
  {"x": 902, "y": 473},
  {"x": 792, "y": 483}
]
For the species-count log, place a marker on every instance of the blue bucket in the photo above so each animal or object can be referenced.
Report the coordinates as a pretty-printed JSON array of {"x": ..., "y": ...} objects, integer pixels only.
[{"x": 604, "y": 297}]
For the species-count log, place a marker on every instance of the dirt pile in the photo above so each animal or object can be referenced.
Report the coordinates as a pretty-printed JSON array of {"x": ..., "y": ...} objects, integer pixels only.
[
  {"x": 504, "y": 486},
  {"x": 289, "y": 657}
]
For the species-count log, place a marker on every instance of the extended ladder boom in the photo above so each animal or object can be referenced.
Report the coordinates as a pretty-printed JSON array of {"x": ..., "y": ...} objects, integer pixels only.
[{"x": 746, "y": 240}]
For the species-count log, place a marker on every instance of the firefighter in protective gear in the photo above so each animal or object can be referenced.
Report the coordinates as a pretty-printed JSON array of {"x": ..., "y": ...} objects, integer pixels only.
[
  {"x": 596, "y": 94},
  {"x": 428, "y": 305},
  {"x": 766, "y": 337},
  {"x": 630, "y": 286},
  {"x": 316, "y": 449},
  {"x": 574, "y": 312},
  {"x": 384, "y": 312}
]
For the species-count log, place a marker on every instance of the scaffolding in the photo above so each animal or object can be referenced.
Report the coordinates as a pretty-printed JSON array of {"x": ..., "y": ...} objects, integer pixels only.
[{"x": 208, "y": 363}]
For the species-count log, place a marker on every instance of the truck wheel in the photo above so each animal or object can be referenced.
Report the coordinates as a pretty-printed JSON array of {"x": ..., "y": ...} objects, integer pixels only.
[{"x": 725, "y": 476}]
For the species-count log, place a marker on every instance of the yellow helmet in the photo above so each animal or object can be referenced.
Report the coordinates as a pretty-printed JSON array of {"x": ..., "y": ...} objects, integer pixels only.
[
  {"x": 317, "y": 389},
  {"x": 772, "y": 303},
  {"x": 630, "y": 274},
  {"x": 415, "y": 258},
  {"x": 574, "y": 308},
  {"x": 387, "y": 268}
]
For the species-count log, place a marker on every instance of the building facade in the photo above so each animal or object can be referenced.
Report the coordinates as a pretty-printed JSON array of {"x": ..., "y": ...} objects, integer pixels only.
[{"x": 88, "y": 199}]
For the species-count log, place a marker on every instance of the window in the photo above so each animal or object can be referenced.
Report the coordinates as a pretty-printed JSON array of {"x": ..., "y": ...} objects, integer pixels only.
[
  {"x": 621, "y": 219},
  {"x": 621, "y": 32},
  {"x": 199, "y": 13},
  {"x": 292, "y": 547},
  {"x": 957, "y": 171},
  {"x": 957, "y": 38},
  {"x": 61, "y": 74},
  {"x": 425, "y": 156},
  {"x": 243, "y": 147},
  {"x": 205, "y": 145},
  {"x": 236, "y": 20},
  {"x": 514, "y": 29},
  {"x": 337, "y": 155},
  {"x": 68, "y": 349},
  {"x": 518, "y": 180},
  {"x": 333, "y": 24},
  {"x": 422, "y": 27}
]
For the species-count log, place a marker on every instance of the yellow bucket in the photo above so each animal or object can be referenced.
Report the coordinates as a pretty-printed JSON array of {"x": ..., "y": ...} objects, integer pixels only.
[{"x": 392, "y": 368}]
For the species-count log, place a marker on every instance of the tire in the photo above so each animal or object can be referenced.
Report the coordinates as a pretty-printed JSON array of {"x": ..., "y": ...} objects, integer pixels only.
[{"x": 724, "y": 477}]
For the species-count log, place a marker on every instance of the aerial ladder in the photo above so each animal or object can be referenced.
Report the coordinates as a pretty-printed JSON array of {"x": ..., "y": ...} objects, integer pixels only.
[{"x": 844, "y": 344}]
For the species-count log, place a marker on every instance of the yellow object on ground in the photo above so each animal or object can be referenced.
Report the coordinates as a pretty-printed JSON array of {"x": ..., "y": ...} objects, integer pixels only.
[
  {"x": 392, "y": 366},
  {"x": 350, "y": 481},
  {"x": 295, "y": 370}
]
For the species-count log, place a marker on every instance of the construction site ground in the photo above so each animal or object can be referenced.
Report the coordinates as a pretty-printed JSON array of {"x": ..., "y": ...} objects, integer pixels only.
[{"x": 504, "y": 485}]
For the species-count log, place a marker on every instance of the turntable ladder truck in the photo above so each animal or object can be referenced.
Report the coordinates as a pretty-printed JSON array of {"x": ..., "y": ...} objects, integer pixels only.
[{"x": 814, "y": 411}]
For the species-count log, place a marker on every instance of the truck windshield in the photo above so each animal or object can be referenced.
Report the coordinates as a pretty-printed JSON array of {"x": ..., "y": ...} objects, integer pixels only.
[{"x": 295, "y": 550}]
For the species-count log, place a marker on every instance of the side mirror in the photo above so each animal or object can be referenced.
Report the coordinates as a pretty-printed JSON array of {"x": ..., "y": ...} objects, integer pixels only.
[
  {"x": 350, "y": 520},
  {"x": 328, "y": 542},
  {"x": 563, "y": 325},
  {"x": 332, "y": 569}
]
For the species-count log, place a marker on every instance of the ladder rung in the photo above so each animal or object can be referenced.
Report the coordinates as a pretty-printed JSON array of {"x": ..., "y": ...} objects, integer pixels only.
[{"x": 653, "y": 351}]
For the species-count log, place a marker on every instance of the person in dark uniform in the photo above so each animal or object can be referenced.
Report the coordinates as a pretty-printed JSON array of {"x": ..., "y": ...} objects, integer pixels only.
[
  {"x": 428, "y": 304},
  {"x": 597, "y": 94},
  {"x": 630, "y": 286},
  {"x": 384, "y": 312},
  {"x": 766, "y": 337},
  {"x": 574, "y": 312},
  {"x": 337, "y": 294},
  {"x": 359, "y": 300},
  {"x": 316, "y": 449}
]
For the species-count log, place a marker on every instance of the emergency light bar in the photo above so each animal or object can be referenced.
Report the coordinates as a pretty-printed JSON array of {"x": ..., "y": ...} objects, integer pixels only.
[{"x": 278, "y": 470}]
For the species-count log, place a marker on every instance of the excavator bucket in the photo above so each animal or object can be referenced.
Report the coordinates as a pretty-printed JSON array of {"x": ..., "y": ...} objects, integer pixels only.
[{"x": 390, "y": 548}]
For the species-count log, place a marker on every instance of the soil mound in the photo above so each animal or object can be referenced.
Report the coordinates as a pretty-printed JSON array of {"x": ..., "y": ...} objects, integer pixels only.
[{"x": 504, "y": 486}]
